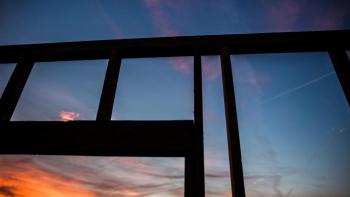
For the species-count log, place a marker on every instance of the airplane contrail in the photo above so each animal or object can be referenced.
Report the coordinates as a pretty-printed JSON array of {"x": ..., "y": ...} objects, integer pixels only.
[{"x": 291, "y": 90}]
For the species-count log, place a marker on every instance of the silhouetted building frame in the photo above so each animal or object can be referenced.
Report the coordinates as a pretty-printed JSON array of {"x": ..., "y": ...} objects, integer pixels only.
[{"x": 183, "y": 138}]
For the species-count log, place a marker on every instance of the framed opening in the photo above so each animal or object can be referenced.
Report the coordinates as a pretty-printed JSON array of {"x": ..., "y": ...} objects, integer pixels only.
[
  {"x": 155, "y": 89},
  {"x": 62, "y": 91},
  {"x": 294, "y": 121}
]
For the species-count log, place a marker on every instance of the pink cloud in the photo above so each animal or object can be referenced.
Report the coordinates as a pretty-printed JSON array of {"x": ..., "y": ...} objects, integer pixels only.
[
  {"x": 332, "y": 19},
  {"x": 133, "y": 162},
  {"x": 170, "y": 4},
  {"x": 210, "y": 116},
  {"x": 183, "y": 65},
  {"x": 109, "y": 20},
  {"x": 282, "y": 15},
  {"x": 159, "y": 18},
  {"x": 68, "y": 116},
  {"x": 151, "y": 3},
  {"x": 258, "y": 79},
  {"x": 161, "y": 22},
  {"x": 211, "y": 68}
]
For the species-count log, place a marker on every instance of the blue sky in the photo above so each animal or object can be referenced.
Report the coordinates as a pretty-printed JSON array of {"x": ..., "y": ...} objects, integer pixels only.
[{"x": 293, "y": 117}]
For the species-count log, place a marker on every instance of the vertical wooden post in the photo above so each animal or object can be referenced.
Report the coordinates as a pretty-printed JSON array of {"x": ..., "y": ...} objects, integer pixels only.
[
  {"x": 14, "y": 88},
  {"x": 105, "y": 107},
  {"x": 341, "y": 65},
  {"x": 198, "y": 123},
  {"x": 236, "y": 171},
  {"x": 194, "y": 161},
  {"x": 189, "y": 175}
]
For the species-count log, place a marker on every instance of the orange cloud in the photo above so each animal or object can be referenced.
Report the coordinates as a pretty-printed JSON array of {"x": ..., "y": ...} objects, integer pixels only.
[
  {"x": 30, "y": 180},
  {"x": 128, "y": 192},
  {"x": 68, "y": 116},
  {"x": 39, "y": 176}
]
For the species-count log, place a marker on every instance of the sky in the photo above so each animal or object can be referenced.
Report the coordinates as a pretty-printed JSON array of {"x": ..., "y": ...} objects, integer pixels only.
[{"x": 294, "y": 120}]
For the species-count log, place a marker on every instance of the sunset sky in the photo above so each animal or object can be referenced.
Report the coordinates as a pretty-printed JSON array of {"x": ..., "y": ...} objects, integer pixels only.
[{"x": 294, "y": 119}]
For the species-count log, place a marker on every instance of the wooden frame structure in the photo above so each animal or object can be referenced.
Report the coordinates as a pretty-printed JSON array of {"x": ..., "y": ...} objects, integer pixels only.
[{"x": 104, "y": 137}]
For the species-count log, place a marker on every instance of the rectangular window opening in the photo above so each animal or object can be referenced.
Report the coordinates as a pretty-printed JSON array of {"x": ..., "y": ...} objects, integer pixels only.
[
  {"x": 62, "y": 91},
  {"x": 155, "y": 89},
  {"x": 294, "y": 124}
]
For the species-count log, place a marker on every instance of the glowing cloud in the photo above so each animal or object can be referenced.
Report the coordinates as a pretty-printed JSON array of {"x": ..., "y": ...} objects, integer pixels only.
[
  {"x": 36, "y": 182},
  {"x": 25, "y": 176},
  {"x": 68, "y": 116}
]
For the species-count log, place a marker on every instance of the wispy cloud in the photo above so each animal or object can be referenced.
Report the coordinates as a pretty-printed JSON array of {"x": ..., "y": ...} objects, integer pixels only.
[
  {"x": 306, "y": 84},
  {"x": 282, "y": 15},
  {"x": 335, "y": 16},
  {"x": 183, "y": 65},
  {"x": 164, "y": 26},
  {"x": 160, "y": 19},
  {"x": 68, "y": 116},
  {"x": 210, "y": 116},
  {"x": 211, "y": 67},
  {"x": 342, "y": 130},
  {"x": 339, "y": 130},
  {"x": 291, "y": 15},
  {"x": 89, "y": 176},
  {"x": 102, "y": 11},
  {"x": 333, "y": 21},
  {"x": 29, "y": 180},
  {"x": 272, "y": 181}
]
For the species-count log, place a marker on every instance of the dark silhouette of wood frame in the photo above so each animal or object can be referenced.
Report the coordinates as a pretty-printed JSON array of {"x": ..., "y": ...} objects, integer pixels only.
[{"x": 178, "y": 138}]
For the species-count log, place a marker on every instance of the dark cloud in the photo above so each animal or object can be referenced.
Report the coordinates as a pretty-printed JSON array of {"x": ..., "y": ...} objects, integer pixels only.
[
  {"x": 273, "y": 180},
  {"x": 217, "y": 175},
  {"x": 6, "y": 191}
]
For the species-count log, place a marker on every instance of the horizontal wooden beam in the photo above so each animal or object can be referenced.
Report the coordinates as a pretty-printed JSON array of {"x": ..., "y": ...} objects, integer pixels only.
[
  {"x": 113, "y": 138},
  {"x": 181, "y": 46}
]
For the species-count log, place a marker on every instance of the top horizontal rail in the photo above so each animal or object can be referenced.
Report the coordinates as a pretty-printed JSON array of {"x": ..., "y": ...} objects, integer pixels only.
[{"x": 180, "y": 46}]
